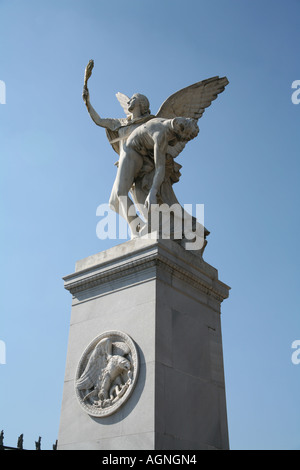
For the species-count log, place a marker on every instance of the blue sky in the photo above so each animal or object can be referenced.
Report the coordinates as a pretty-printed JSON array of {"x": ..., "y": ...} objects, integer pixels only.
[{"x": 57, "y": 167}]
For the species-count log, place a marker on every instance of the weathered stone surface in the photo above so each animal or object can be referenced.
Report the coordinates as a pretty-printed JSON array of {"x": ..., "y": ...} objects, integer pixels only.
[
  {"x": 168, "y": 301},
  {"x": 148, "y": 144}
]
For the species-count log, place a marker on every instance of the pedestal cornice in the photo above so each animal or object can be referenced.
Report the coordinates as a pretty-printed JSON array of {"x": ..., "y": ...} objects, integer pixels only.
[{"x": 134, "y": 256}]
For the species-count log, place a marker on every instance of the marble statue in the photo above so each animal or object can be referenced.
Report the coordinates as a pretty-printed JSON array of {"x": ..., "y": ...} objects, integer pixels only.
[{"x": 148, "y": 144}]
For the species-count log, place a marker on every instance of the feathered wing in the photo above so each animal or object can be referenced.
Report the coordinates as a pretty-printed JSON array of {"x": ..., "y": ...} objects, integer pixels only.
[
  {"x": 175, "y": 150},
  {"x": 123, "y": 100},
  {"x": 192, "y": 101},
  {"x": 120, "y": 348},
  {"x": 96, "y": 363}
]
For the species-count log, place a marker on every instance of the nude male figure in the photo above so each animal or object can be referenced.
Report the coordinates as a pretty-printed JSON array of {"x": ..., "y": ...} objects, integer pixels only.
[
  {"x": 143, "y": 133},
  {"x": 130, "y": 163},
  {"x": 147, "y": 144},
  {"x": 156, "y": 136}
]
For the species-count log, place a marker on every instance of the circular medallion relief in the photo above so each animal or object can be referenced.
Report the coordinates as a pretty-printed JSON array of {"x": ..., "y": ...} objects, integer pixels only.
[{"x": 107, "y": 373}]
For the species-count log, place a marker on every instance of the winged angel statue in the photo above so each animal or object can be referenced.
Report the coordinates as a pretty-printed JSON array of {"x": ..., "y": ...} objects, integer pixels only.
[
  {"x": 148, "y": 144},
  {"x": 107, "y": 374}
]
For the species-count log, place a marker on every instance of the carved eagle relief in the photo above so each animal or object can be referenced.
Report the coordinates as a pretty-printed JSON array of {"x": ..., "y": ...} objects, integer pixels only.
[{"x": 107, "y": 375}]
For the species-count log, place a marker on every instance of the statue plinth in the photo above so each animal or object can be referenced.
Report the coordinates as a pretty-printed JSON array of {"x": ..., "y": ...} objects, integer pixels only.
[{"x": 156, "y": 307}]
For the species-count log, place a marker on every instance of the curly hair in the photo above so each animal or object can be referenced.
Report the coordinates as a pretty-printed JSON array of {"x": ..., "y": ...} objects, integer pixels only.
[{"x": 185, "y": 128}]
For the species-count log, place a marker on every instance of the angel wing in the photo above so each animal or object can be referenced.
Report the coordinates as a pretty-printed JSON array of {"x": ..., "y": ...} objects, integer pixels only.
[
  {"x": 175, "y": 150},
  {"x": 192, "y": 101},
  {"x": 123, "y": 100},
  {"x": 97, "y": 361}
]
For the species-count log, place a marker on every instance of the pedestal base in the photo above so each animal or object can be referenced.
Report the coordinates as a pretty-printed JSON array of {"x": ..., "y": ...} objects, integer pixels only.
[{"x": 167, "y": 300}]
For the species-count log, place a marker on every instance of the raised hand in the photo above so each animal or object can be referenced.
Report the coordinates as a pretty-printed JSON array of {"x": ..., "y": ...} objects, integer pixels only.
[{"x": 88, "y": 72}]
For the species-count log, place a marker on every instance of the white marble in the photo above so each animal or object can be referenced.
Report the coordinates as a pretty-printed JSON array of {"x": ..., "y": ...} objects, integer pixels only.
[
  {"x": 168, "y": 301},
  {"x": 148, "y": 145}
]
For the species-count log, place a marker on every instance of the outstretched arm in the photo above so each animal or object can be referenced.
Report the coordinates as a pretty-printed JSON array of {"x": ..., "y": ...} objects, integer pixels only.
[{"x": 111, "y": 124}]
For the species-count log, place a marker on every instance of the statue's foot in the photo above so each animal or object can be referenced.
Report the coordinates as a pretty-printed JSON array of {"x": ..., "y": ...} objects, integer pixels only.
[{"x": 138, "y": 231}]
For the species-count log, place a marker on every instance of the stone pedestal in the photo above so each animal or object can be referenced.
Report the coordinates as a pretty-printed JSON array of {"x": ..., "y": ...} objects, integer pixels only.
[{"x": 167, "y": 300}]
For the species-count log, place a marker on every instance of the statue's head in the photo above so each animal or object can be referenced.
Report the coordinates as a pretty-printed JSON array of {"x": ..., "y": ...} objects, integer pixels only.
[
  {"x": 124, "y": 363},
  {"x": 185, "y": 128},
  {"x": 139, "y": 100}
]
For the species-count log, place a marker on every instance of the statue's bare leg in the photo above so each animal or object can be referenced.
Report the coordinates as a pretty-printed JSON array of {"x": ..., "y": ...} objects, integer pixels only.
[{"x": 130, "y": 164}]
